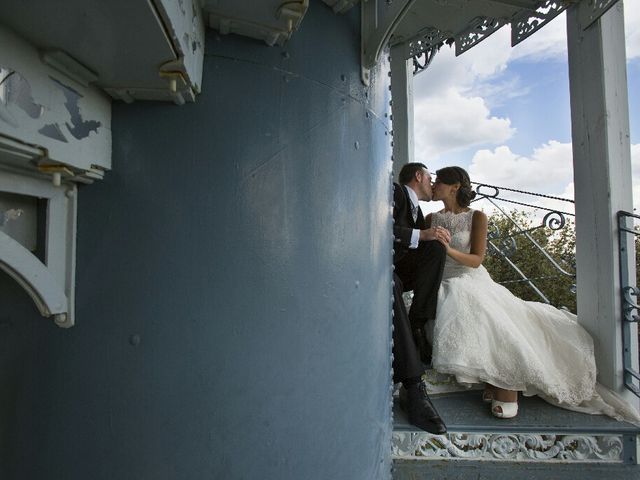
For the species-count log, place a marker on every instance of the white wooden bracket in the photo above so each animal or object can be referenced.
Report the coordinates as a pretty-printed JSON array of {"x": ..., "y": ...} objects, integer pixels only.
[
  {"x": 274, "y": 22},
  {"x": 50, "y": 281},
  {"x": 55, "y": 131},
  {"x": 378, "y": 21}
]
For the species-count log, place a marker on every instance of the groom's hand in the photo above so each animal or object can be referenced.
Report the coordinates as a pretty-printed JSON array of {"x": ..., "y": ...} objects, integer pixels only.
[{"x": 436, "y": 233}]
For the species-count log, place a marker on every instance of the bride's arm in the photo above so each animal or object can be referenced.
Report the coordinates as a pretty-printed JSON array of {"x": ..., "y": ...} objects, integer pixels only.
[{"x": 478, "y": 243}]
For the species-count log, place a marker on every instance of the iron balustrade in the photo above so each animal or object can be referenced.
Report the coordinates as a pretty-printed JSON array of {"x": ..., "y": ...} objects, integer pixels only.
[
  {"x": 505, "y": 245},
  {"x": 629, "y": 306}
]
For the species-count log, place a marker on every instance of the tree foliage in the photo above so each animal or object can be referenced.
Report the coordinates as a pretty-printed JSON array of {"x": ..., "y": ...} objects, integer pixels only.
[{"x": 505, "y": 235}]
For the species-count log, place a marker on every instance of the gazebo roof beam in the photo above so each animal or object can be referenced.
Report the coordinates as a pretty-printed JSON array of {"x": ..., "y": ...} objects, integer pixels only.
[{"x": 516, "y": 3}]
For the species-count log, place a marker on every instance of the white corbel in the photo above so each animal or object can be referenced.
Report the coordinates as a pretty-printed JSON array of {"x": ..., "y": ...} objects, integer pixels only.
[
  {"x": 184, "y": 23},
  {"x": 32, "y": 275},
  {"x": 49, "y": 280},
  {"x": 274, "y": 27}
]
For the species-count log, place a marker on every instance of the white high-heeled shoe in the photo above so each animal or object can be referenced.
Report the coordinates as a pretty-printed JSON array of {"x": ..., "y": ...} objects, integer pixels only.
[
  {"x": 507, "y": 409},
  {"x": 487, "y": 396}
]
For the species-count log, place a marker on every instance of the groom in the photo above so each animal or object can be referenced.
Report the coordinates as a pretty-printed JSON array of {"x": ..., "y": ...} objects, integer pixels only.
[{"x": 419, "y": 255}]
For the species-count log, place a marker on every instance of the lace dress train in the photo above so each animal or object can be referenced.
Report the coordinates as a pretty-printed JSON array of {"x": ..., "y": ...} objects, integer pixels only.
[{"x": 483, "y": 333}]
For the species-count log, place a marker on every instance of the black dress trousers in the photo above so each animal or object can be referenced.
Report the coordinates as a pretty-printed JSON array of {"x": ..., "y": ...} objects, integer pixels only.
[{"x": 423, "y": 274}]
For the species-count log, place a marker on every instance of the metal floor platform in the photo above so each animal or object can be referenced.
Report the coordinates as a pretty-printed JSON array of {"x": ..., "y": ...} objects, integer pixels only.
[{"x": 543, "y": 441}]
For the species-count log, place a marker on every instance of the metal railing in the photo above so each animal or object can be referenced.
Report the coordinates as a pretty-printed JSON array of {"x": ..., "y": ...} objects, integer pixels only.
[
  {"x": 630, "y": 307},
  {"x": 504, "y": 246}
]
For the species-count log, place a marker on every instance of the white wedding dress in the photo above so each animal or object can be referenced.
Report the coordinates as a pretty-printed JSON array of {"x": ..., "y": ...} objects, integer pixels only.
[{"x": 483, "y": 333}]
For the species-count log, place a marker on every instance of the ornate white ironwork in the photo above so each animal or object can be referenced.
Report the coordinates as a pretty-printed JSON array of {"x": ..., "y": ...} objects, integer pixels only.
[
  {"x": 425, "y": 46},
  {"x": 528, "y": 22},
  {"x": 427, "y": 39},
  {"x": 508, "y": 447},
  {"x": 480, "y": 29}
]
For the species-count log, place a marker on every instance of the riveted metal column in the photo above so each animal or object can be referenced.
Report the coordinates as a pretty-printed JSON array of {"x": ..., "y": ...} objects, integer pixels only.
[
  {"x": 235, "y": 270},
  {"x": 602, "y": 173}
]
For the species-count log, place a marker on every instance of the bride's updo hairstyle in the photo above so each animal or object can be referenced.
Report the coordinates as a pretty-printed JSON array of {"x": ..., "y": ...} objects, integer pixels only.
[{"x": 453, "y": 175}]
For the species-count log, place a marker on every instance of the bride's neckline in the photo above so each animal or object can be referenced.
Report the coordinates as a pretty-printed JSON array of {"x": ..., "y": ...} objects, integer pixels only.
[{"x": 451, "y": 212}]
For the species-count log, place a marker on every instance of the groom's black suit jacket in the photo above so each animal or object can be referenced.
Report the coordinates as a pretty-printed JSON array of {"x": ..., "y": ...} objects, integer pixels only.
[
  {"x": 403, "y": 225},
  {"x": 418, "y": 269}
]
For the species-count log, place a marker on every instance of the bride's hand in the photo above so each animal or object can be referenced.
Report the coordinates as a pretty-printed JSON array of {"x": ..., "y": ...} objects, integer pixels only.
[{"x": 436, "y": 233}]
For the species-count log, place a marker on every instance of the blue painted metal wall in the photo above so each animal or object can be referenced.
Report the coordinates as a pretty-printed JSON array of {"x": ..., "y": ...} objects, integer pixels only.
[{"x": 233, "y": 284}]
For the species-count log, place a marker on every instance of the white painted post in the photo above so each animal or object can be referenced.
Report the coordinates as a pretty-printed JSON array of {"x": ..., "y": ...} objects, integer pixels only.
[
  {"x": 402, "y": 107},
  {"x": 602, "y": 175}
]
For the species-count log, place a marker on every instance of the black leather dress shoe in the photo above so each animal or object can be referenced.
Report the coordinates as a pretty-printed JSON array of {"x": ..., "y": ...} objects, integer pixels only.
[{"x": 421, "y": 411}]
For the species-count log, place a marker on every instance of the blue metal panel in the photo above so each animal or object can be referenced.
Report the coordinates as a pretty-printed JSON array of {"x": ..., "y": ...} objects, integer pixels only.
[{"x": 233, "y": 284}]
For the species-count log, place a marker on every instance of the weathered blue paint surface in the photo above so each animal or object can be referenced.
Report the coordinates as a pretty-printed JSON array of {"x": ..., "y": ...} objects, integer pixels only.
[{"x": 233, "y": 284}]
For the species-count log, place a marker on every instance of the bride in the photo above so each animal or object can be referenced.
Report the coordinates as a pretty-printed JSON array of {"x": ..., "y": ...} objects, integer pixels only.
[{"x": 484, "y": 334}]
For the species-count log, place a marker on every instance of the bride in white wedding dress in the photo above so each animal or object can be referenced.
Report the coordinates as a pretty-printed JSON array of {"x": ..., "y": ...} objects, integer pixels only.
[{"x": 485, "y": 334}]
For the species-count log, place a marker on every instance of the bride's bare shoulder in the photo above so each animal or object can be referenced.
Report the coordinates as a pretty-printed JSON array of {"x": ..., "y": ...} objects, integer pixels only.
[{"x": 479, "y": 217}]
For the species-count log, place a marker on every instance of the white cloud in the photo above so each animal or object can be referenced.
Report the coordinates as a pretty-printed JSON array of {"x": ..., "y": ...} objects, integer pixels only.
[
  {"x": 548, "y": 169},
  {"x": 454, "y": 98},
  {"x": 550, "y": 42},
  {"x": 632, "y": 30},
  {"x": 483, "y": 62},
  {"x": 451, "y": 121}
]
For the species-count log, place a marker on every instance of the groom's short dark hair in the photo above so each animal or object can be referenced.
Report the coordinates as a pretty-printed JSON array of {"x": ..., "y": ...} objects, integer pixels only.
[{"x": 408, "y": 171}]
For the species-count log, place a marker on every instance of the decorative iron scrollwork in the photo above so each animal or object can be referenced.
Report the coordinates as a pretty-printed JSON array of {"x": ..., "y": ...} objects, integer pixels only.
[
  {"x": 423, "y": 60},
  {"x": 528, "y": 22},
  {"x": 481, "y": 28},
  {"x": 505, "y": 245},
  {"x": 554, "y": 220},
  {"x": 512, "y": 447},
  {"x": 508, "y": 246},
  {"x": 630, "y": 305},
  {"x": 493, "y": 231},
  {"x": 424, "y": 48}
]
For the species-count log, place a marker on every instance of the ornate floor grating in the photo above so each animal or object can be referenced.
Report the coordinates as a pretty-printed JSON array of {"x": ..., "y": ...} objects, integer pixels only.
[{"x": 541, "y": 433}]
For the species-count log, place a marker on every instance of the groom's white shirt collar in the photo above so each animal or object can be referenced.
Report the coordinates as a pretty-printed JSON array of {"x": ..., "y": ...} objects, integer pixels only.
[{"x": 413, "y": 196}]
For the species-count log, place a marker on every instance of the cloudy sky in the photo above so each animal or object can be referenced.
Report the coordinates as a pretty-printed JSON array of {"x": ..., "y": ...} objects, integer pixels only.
[{"x": 503, "y": 113}]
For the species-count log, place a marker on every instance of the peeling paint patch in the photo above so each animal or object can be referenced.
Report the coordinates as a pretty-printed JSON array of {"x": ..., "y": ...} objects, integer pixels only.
[
  {"x": 79, "y": 127},
  {"x": 52, "y": 130},
  {"x": 15, "y": 90},
  {"x": 11, "y": 214}
]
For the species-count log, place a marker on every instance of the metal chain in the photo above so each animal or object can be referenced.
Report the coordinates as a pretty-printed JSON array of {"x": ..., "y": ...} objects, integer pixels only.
[
  {"x": 523, "y": 191},
  {"x": 523, "y": 204}
]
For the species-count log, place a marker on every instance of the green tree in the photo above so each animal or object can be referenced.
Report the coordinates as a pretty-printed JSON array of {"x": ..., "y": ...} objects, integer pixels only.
[{"x": 559, "y": 244}]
